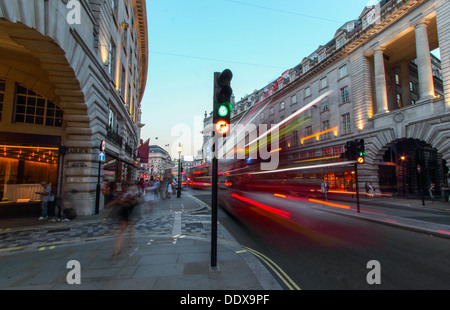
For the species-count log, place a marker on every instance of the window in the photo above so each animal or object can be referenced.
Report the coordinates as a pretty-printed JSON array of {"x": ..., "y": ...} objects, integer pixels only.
[
  {"x": 326, "y": 152},
  {"x": 282, "y": 106},
  {"x": 337, "y": 150},
  {"x": 346, "y": 127},
  {"x": 112, "y": 59},
  {"x": 324, "y": 105},
  {"x": 321, "y": 56},
  {"x": 122, "y": 82},
  {"x": 397, "y": 79},
  {"x": 342, "y": 71},
  {"x": 307, "y": 92},
  {"x": 2, "y": 96},
  {"x": 323, "y": 83},
  {"x": 340, "y": 42},
  {"x": 114, "y": 7},
  {"x": 345, "y": 97},
  {"x": 308, "y": 131},
  {"x": 399, "y": 100},
  {"x": 295, "y": 138},
  {"x": 32, "y": 108},
  {"x": 305, "y": 68},
  {"x": 411, "y": 86},
  {"x": 54, "y": 115},
  {"x": 271, "y": 111},
  {"x": 294, "y": 99},
  {"x": 325, "y": 127}
]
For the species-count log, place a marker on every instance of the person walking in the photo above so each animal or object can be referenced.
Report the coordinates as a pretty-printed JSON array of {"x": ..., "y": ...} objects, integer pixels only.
[
  {"x": 126, "y": 202},
  {"x": 432, "y": 190},
  {"x": 169, "y": 189},
  {"x": 45, "y": 198},
  {"x": 162, "y": 189}
]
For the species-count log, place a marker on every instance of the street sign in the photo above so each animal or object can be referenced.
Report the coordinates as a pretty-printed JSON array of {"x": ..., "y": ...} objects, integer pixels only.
[
  {"x": 103, "y": 145},
  {"x": 101, "y": 156}
]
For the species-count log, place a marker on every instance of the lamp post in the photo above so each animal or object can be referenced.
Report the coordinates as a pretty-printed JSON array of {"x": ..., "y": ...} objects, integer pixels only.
[
  {"x": 179, "y": 149},
  {"x": 403, "y": 172}
]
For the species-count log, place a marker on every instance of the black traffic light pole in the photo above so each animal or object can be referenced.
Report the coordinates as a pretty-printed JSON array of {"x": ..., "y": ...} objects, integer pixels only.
[
  {"x": 353, "y": 150},
  {"x": 357, "y": 188},
  {"x": 221, "y": 115},
  {"x": 214, "y": 179}
]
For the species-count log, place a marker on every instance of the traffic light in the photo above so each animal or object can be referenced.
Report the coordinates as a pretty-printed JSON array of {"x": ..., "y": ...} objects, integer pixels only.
[
  {"x": 360, "y": 151},
  {"x": 350, "y": 151},
  {"x": 222, "y": 101}
]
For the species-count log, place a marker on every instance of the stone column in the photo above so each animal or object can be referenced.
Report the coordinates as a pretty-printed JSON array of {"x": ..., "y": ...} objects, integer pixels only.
[
  {"x": 426, "y": 86},
  {"x": 443, "y": 29},
  {"x": 404, "y": 83},
  {"x": 380, "y": 81}
]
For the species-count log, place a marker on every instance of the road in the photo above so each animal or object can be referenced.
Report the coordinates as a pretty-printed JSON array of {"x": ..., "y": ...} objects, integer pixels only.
[{"x": 321, "y": 250}]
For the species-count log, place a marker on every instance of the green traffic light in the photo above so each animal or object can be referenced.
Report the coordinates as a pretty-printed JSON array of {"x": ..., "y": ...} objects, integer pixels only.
[{"x": 223, "y": 111}]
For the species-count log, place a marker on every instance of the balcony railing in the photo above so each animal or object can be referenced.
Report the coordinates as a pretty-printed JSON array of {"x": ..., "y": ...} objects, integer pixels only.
[{"x": 113, "y": 137}]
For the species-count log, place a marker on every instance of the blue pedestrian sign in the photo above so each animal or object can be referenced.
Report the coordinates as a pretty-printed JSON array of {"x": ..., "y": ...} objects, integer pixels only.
[{"x": 101, "y": 156}]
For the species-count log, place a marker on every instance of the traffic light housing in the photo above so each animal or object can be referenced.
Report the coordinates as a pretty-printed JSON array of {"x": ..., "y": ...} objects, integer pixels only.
[
  {"x": 222, "y": 101},
  {"x": 350, "y": 151},
  {"x": 360, "y": 151}
]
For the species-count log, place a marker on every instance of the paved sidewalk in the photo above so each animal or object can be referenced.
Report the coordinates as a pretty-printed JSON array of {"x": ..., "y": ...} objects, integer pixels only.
[{"x": 171, "y": 251}]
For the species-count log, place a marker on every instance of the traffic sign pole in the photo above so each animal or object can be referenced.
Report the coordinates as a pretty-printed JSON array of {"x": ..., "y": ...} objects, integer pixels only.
[{"x": 97, "y": 192}]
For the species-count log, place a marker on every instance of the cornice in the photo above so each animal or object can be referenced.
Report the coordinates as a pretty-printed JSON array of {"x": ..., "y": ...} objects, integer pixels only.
[{"x": 140, "y": 14}]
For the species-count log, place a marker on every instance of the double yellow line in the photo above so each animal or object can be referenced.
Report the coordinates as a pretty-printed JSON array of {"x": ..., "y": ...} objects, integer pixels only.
[
  {"x": 274, "y": 267},
  {"x": 271, "y": 264}
]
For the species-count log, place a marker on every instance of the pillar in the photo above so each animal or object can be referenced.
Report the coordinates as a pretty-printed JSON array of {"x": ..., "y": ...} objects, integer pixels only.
[
  {"x": 380, "y": 81},
  {"x": 426, "y": 86},
  {"x": 404, "y": 83},
  {"x": 443, "y": 30}
]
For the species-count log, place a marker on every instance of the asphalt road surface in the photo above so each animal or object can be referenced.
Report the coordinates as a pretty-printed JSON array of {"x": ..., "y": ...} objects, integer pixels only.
[{"x": 321, "y": 250}]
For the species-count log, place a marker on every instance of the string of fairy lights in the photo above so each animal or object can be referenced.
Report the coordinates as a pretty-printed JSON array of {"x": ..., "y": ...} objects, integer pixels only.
[{"x": 40, "y": 154}]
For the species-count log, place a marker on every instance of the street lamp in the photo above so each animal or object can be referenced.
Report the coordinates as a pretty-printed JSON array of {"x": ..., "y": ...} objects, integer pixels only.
[{"x": 179, "y": 149}]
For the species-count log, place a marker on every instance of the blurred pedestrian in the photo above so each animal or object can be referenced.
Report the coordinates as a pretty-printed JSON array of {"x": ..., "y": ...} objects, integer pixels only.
[
  {"x": 68, "y": 204},
  {"x": 324, "y": 190},
  {"x": 150, "y": 192},
  {"x": 169, "y": 189},
  {"x": 371, "y": 190},
  {"x": 126, "y": 202},
  {"x": 45, "y": 198},
  {"x": 432, "y": 190},
  {"x": 162, "y": 189}
]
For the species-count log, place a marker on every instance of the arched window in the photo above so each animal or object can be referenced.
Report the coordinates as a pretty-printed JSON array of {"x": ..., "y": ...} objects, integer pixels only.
[{"x": 33, "y": 108}]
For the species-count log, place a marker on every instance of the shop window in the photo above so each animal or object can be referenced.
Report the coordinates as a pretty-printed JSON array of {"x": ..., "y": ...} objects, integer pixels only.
[{"x": 32, "y": 108}]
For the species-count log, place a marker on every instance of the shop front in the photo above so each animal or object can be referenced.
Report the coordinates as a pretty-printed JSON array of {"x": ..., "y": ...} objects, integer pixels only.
[{"x": 26, "y": 160}]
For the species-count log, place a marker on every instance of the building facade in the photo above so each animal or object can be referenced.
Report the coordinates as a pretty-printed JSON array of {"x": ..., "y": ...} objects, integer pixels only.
[
  {"x": 72, "y": 74},
  {"x": 376, "y": 80},
  {"x": 158, "y": 162}
]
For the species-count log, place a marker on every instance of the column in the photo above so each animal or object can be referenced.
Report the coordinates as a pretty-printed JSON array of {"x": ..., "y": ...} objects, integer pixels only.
[
  {"x": 426, "y": 86},
  {"x": 443, "y": 29},
  {"x": 380, "y": 81},
  {"x": 404, "y": 83}
]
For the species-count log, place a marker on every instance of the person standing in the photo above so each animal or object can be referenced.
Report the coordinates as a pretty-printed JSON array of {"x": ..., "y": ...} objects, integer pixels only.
[
  {"x": 324, "y": 189},
  {"x": 45, "y": 197}
]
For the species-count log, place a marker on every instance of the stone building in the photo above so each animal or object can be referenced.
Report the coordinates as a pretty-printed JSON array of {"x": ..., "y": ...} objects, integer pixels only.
[
  {"x": 72, "y": 74},
  {"x": 376, "y": 80}
]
